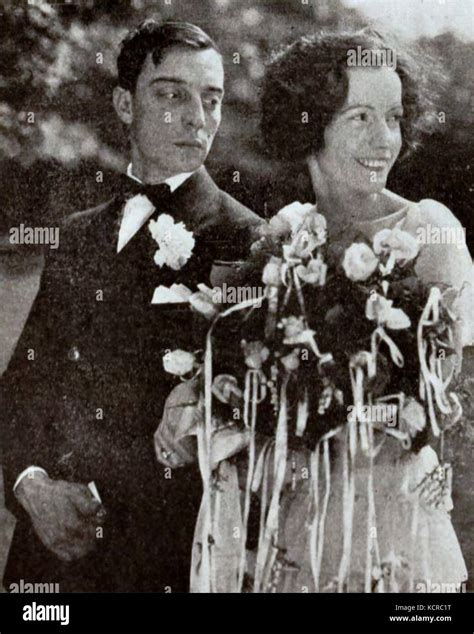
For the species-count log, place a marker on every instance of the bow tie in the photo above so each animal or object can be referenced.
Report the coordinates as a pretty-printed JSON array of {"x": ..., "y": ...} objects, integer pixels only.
[{"x": 159, "y": 195}]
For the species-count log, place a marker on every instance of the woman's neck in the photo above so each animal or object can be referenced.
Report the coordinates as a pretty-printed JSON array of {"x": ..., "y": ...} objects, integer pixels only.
[{"x": 343, "y": 211}]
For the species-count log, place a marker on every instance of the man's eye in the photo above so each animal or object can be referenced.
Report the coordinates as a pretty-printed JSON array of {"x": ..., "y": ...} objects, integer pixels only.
[
  {"x": 170, "y": 94},
  {"x": 213, "y": 102}
]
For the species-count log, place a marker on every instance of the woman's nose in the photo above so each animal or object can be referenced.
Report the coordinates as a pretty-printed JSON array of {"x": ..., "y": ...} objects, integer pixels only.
[{"x": 381, "y": 136}]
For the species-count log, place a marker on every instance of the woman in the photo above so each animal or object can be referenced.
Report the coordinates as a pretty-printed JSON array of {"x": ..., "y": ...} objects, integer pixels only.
[{"x": 349, "y": 125}]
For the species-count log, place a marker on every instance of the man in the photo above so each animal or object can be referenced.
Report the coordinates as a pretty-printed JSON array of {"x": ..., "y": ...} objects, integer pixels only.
[{"x": 85, "y": 389}]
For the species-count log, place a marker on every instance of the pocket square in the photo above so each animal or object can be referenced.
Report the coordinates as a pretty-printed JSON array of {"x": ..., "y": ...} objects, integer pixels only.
[{"x": 175, "y": 294}]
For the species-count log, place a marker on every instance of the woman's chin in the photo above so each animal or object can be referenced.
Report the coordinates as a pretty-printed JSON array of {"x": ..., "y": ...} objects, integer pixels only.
[{"x": 368, "y": 189}]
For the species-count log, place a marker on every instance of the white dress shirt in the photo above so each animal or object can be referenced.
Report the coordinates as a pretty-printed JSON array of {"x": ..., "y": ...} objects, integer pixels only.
[{"x": 130, "y": 224}]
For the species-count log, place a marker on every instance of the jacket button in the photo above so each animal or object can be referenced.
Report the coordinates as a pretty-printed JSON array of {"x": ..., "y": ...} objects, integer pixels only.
[{"x": 74, "y": 354}]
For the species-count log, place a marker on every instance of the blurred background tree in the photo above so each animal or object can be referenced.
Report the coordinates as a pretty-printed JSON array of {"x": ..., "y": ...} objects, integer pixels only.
[{"x": 61, "y": 144}]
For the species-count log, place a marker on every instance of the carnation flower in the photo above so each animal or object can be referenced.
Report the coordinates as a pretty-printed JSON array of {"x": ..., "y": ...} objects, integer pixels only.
[
  {"x": 175, "y": 242},
  {"x": 359, "y": 262},
  {"x": 178, "y": 362}
]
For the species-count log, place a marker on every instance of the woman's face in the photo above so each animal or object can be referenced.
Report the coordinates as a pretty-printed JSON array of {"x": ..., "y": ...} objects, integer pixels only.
[{"x": 363, "y": 140}]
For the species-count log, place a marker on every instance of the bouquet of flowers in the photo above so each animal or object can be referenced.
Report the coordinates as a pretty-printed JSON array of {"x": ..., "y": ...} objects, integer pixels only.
[{"x": 347, "y": 341}]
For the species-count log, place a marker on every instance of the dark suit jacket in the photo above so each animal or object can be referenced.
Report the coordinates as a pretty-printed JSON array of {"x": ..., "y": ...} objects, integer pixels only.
[{"x": 86, "y": 406}]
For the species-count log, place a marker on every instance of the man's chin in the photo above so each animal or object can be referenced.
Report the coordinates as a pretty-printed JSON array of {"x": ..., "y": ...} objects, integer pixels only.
[{"x": 190, "y": 165}]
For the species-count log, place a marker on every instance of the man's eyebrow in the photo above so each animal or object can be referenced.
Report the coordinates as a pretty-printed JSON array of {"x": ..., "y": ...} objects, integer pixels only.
[{"x": 175, "y": 80}]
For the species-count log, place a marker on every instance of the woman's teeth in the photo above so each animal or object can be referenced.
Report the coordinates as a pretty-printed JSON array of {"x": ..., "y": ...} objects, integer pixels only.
[{"x": 373, "y": 163}]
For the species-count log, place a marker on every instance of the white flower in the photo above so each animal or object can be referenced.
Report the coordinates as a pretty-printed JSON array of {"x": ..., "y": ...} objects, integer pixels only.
[
  {"x": 413, "y": 416},
  {"x": 313, "y": 273},
  {"x": 317, "y": 225},
  {"x": 379, "y": 309},
  {"x": 178, "y": 362},
  {"x": 294, "y": 214},
  {"x": 359, "y": 262},
  {"x": 302, "y": 245},
  {"x": 399, "y": 245},
  {"x": 271, "y": 275},
  {"x": 175, "y": 242}
]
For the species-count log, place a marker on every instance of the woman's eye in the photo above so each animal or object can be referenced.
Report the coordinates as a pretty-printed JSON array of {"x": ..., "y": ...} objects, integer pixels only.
[
  {"x": 395, "y": 117},
  {"x": 362, "y": 116}
]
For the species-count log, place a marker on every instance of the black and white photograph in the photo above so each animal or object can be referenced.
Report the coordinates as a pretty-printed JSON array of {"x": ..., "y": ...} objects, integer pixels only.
[{"x": 236, "y": 312}]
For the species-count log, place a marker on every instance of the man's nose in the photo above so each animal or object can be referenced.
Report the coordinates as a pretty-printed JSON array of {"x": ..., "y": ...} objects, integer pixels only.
[{"x": 194, "y": 114}]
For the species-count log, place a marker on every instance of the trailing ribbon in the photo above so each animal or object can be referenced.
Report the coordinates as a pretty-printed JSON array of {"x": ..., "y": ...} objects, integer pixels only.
[
  {"x": 371, "y": 518},
  {"x": 265, "y": 555},
  {"x": 250, "y": 401},
  {"x": 348, "y": 497},
  {"x": 430, "y": 383}
]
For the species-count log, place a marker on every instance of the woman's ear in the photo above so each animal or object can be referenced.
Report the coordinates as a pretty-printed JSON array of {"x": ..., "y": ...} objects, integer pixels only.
[
  {"x": 123, "y": 104},
  {"x": 318, "y": 180}
]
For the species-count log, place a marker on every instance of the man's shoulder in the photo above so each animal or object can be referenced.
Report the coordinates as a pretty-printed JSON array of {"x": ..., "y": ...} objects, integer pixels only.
[
  {"x": 86, "y": 217},
  {"x": 77, "y": 227},
  {"x": 237, "y": 227},
  {"x": 238, "y": 214}
]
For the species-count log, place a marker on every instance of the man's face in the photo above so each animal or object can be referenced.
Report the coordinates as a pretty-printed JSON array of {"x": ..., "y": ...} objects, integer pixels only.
[{"x": 176, "y": 109}]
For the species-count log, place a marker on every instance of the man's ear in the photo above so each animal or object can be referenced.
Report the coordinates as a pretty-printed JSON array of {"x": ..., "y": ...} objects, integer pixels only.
[{"x": 123, "y": 104}]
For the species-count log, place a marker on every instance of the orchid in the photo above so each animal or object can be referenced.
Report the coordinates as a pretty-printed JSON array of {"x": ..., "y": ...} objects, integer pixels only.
[{"x": 381, "y": 310}]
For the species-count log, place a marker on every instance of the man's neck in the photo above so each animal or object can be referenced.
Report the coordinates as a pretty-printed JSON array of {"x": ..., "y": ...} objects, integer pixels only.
[
  {"x": 174, "y": 181},
  {"x": 146, "y": 172}
]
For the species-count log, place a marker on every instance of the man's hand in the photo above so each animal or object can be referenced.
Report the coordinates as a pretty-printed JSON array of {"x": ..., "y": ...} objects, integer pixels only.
[{"x": 64, "y": 514}]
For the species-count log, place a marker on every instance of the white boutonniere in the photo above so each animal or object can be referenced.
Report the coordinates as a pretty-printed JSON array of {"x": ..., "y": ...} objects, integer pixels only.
[{"x": 175, "y": 242}]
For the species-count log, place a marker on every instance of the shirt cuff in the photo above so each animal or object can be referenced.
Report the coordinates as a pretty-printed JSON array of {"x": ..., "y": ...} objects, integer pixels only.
[{"x": 27, "y": 472}]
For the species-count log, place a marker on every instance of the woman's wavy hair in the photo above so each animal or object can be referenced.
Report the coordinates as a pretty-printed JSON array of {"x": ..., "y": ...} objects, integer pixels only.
[{"x": 309, "y": 76}]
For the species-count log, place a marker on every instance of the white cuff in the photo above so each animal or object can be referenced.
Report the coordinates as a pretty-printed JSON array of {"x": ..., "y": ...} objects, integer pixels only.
[{"x": 27, "y": 472}]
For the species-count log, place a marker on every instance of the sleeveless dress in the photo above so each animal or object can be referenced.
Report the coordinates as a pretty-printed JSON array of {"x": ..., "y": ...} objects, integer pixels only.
[{"x": 400, "y": 540}]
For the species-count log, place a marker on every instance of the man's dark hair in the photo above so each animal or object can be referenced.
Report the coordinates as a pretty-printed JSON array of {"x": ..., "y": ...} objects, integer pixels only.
[
  {"x": 156, "y": 38},
  {"x": 310, "y": 76}
]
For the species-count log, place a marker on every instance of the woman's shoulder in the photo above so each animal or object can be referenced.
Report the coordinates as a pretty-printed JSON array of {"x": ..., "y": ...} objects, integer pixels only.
[
  {"x": 437, "y": 214},
  {"x": 426, "y": 211}
]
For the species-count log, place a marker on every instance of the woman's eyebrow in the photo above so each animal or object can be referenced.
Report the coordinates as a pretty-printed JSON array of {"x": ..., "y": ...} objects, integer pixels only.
[{"x": 357, "y": 105}]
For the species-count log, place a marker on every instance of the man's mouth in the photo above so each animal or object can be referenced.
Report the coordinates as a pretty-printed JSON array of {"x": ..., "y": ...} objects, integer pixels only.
[
  {"x": 196, "y": 143},
  {"x": 374, "y": 163}
]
